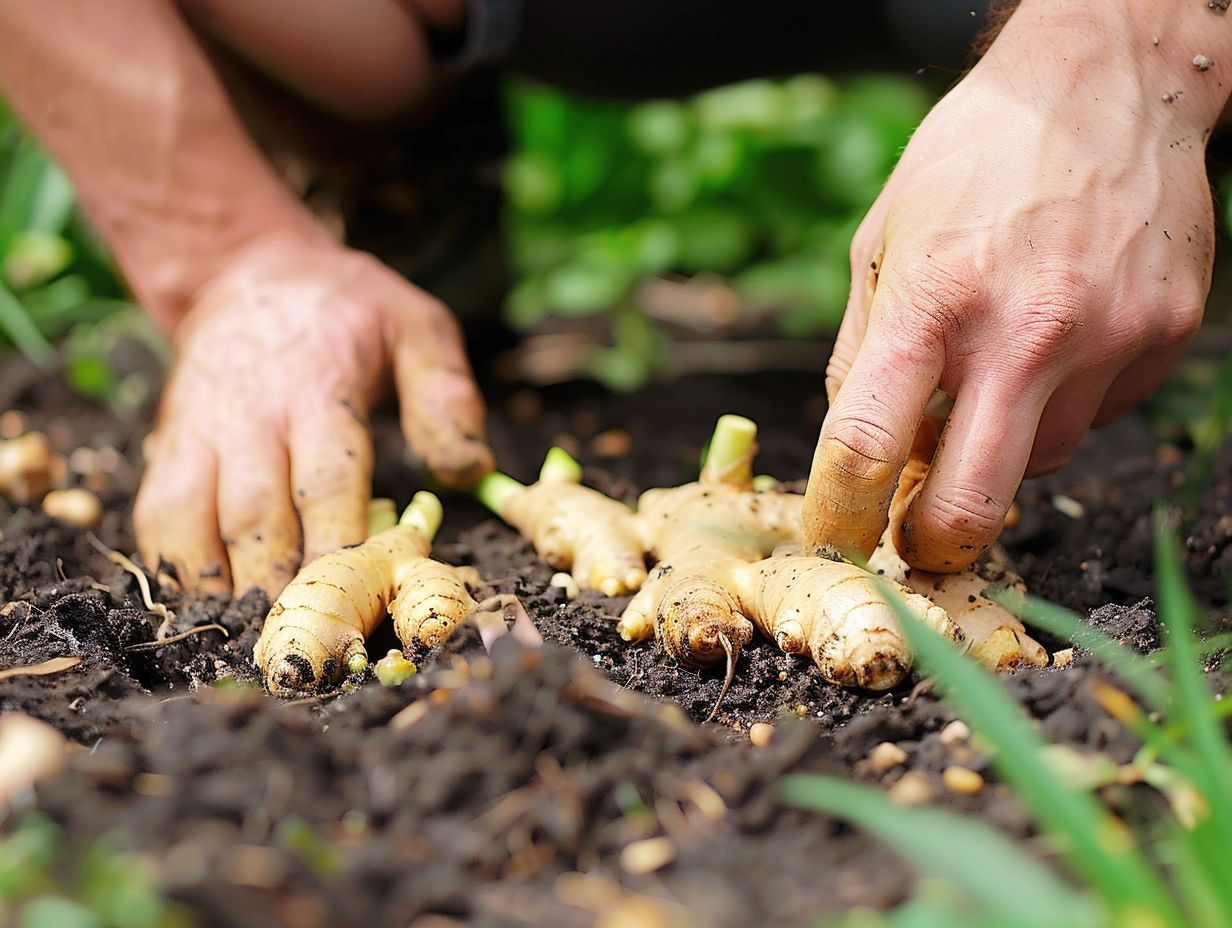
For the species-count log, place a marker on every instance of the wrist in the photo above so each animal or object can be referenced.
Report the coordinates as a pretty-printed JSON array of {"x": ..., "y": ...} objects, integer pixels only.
[
  {"x": 169, "y": 253},
  {"x": 1136, "y": 53}
]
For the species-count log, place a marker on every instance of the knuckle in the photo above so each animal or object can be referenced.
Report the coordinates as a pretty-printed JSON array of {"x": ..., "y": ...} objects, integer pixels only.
[
  {"x": 247, "y": 508},
  {"x": 935, "y": 297},
  {"x": 329, "y": 478},
  {"x": 862, "y": 451},
  {"x": 962, "y": 514},
  {"x": 1182, "y": 320}
]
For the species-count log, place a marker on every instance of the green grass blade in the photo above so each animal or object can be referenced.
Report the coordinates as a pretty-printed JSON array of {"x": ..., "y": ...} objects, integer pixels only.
[
  {"x": 1093, "y": 841},
  {"x": 16, "y": 324},
  {"x": 53, "y": 201},
  {"x": 983, "y": 864},
  {"x": 1139, "y": 672},
  {"x": 20, "y": 186},
  {"x": 1213, "y": 776}
]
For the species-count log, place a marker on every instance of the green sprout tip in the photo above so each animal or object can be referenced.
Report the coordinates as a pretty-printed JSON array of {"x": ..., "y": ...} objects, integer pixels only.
[
  {"x": 559, "y": 466},
  {"x": 495, "y": 489},
  {"x": 424, "y": 514},
  {"x": 394, "y": 669},
  {"x": 730, "y": 458},
  {"x": 382, "y": 514}
]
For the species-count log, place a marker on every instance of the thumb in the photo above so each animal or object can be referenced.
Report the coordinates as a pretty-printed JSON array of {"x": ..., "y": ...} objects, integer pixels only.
[{"x": 442, "y": 410}]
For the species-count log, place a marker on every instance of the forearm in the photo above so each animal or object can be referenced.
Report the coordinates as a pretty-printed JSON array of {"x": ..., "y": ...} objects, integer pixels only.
[
  {"x": 121, "y": 94},
  {"x": 1151, "y": 45}
]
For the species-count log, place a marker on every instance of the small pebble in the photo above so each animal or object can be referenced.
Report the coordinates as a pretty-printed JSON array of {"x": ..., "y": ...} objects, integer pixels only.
[
  {"x": 962, "y": 780},
  {"x": 614, "y": 443},
  {"x": 647, "y": 855},
  {"x": 885, "y": 756},
  {"x": 12, "y": 423},
  {"x": 525, "y": 407},
  {"x": 1168, "y": 454},
  {"x": 1202, "y": 63},
  {"x": 77, "y": 507},
  {"x": 912, "y": 789},
  {"x": 637, "y": 912},
  {"x": 955, "y": 733},
  {"x": 760, "y": 734},
  {"x": 566, "y": 584},
  {"x": 801, "y": 710},
  {"x": 1063, "y": 658}
]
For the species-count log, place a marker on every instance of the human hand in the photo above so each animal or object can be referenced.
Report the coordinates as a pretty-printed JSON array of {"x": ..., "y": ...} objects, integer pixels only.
[
  {"x": 1042, "y": 254},
  {"x": 261, "y": 449}
]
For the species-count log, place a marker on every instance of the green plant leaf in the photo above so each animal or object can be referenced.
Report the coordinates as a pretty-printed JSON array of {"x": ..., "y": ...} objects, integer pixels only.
[
  {"x": 993, "y": 871},
  {"x": 16, "y": 324},
  {"x": 1096, "y": 845}
]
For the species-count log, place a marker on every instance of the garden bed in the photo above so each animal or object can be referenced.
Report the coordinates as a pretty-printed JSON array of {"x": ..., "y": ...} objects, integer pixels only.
[{"x": 507, "y": 789}]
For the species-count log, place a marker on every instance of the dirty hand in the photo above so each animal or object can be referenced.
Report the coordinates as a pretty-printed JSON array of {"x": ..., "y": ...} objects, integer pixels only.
[
  {"x": 261, "y": 456},
  {"x": 1042, "y": 254}
]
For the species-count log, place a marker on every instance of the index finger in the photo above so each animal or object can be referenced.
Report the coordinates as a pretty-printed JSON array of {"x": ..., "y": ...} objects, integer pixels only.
[{"x": 868, "y": 432}]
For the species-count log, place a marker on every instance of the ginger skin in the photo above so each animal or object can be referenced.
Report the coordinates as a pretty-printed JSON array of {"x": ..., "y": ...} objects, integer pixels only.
[{"x": 316, "y": 629}]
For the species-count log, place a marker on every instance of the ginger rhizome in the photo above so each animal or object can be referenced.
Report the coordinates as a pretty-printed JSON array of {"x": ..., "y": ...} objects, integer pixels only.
[
  {"x": 728, "y": 559},
  {"x": 316, "y": 630}
]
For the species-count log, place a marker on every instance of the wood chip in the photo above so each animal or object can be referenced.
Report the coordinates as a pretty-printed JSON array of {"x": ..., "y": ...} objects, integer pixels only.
[
  {"x": 708, "y": 802},
  {"x": 54, "y": 665},
  {"x": 962, "y": 780},
  {"x": 76, "y": 507},
  {"x": 411, "y": 715},
  {"x": 647, "y": 855},
  {"x": 955, "y": 733},
  {"x": 1063, "y": 658},
  {"x": 30, "y": 750},
  {"x": 1068, "y": 506},
  {"x": 615, "y": 443},
  {"x": 886, "y": 756},
  {"x": 638, "y": 912},
  {"x": 912, "y": 789}
]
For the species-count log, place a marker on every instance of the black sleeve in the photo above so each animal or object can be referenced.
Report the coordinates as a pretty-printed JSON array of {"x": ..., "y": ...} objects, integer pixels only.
[{"x": 664, "y": 47}]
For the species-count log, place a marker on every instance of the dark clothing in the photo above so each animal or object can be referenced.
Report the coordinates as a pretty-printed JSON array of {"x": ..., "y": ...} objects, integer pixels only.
[{"x": 666, "y": 47}]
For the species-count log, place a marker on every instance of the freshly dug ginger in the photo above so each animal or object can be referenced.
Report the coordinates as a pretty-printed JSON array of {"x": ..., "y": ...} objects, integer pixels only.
[
  {"x": 317, "y": 628},
  {"x": 728, "y": 559},
  {"x": 571, "y": 526}
]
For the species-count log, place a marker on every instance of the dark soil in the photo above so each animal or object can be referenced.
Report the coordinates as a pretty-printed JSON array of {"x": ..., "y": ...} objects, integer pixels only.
[{"x": 501, "y": 790}]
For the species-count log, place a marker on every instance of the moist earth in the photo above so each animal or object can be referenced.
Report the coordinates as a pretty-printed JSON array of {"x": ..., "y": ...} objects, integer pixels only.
[{"x": 504, "y": 788}]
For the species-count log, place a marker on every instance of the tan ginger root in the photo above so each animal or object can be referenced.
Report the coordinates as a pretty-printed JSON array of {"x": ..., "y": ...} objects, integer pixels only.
[
  {"x": 728, "y": 559},
  {"x": 994, "y": 635},
  {"x": 317, "y": 628}
]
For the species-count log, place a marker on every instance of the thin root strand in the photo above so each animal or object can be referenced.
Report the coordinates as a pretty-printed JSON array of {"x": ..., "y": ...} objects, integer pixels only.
[{"x": 732, "y": 655}]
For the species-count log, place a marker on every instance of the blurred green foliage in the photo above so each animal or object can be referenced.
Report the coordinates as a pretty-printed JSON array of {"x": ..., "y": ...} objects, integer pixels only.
[
  {"x": 762, "y": 181},
  {"x": 47, "y": 882},
  {"x": 57, "y": 280}
]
